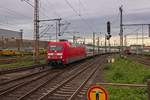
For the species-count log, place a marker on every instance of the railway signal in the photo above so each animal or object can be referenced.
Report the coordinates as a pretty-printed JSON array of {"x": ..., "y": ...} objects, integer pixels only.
[
  {"x": 108, "y": 36},
  {"x": 108, "y": 30},
  {"x": 108, "y": 27},
  {"x": 149, "y": 30}
]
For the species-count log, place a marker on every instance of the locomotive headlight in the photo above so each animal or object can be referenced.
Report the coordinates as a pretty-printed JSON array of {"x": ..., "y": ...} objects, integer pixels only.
[
  {"x": 50, "y": 54},
  {"x": 49, "y": 57},
  {"x": 59, "y": 54}
]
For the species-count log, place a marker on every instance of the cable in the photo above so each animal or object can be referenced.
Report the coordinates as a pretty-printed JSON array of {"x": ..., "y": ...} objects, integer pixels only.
[
  {"x": 56, "y": 13},
  {"x": 13, "y": 11},
  {"x": 44, "y": 32},
  {"x": 33, "y": 6},
  {"x": 72, "y": 7},
  {"x": 66, "y": 27},
  {"x": 27, "y": 1},
  {"x": 42, "y": 9},
  {"x": 13, "y": 14},
  {"x": 134, "y": 31},
  {"x": 45, "y": 29},
  {"x": 67, "y": 2}
]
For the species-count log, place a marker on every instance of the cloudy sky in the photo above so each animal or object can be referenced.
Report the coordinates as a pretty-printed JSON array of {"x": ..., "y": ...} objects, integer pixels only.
[{"x": 85, "y": 16}]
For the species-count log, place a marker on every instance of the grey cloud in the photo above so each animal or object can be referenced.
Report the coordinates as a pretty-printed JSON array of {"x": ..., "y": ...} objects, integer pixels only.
[{"x": 95, "y": 13}]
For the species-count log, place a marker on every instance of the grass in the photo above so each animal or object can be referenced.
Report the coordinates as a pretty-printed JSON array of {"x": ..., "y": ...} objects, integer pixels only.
[
  {"x": 127, "y": 93},
  {"x": 147, "y": 54},
  {"x": 20, "y": 64},
  {"x": 17, "y": 64},
  {"x": 22, "y": 61},
  {"x": 126, "y": 71}
]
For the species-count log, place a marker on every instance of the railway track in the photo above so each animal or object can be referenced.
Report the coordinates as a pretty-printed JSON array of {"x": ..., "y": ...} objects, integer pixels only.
[
  {"x": 7, "y": 78},
  {"x": 70, "y": 88},
  {"x": 14, "y": 82},
  {"x": 8, "y": 60},
  {"x": 18, "y": 73},
  {"x": 141, "y": 59},
  {"x": 20, "y": 90},
  {"x": 21, "y": 69},
  {"x": 74, "y": 82},
  {"x": 28, "y": 68}
]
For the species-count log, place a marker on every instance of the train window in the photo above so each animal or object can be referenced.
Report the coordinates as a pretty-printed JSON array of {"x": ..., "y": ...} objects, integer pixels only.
[{"x": 56, "y": 47}]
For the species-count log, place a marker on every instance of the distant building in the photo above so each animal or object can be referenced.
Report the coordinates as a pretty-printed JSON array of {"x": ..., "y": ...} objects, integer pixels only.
[
  {"x": 9, "y": 34},
  {"x": 13, "y": 40},
  {"x": 8, "y": 37}
]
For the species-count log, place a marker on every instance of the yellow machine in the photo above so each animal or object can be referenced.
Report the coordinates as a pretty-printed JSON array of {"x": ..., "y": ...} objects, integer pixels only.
[
  {"x": 0, "y": 52},
  {"x": 8, "y": 52}
]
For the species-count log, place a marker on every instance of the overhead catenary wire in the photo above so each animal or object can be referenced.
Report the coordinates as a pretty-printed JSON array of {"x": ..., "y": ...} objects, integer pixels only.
[
  {"x": 66, "y": 19},
  {"x": 42, "y": 10},
  {"x": 63, "y": 24},
  {"x": 114, "y": 21},
  {"x": 76, "y": 12},
  {"x": 136, "y": 30},
  {"x": 45, "y": 30},
  {"x": 50, "y": 4},
  {"x": 13, "y": 12},
  {"x": 27, "y": 1}
]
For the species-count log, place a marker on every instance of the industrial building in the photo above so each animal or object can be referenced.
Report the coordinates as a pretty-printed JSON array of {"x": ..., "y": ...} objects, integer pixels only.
[
  {"x": 13, "y": 40},
  {"x": 8, "y": 38},
  {"x": 9, "y": 34}
]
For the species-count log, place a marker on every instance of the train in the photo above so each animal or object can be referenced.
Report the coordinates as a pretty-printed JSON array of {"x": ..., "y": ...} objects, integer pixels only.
[
  {"x": 65, "y": 52},
  {"x": 134, "y": 49}
]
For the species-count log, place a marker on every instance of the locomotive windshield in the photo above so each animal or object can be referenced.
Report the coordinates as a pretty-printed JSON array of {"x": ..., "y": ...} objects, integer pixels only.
[{"x": 55, "y": 47}]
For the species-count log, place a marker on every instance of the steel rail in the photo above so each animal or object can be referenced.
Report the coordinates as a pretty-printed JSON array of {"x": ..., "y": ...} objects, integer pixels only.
[
  {"x": 14, "y": 70},
  {"x": 40, "y": 86},
  {"x": 23, "y": 77},
  {"x": 83, "y": 84},
  {"x": 64, "y": 82},
  {"x": 22, "y": 84},
  {"x": 28, "y": 83},
  {"x": 19, "y": 79}
]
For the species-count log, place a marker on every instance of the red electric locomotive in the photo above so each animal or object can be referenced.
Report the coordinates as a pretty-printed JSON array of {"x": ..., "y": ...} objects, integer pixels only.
[{"x": 64, "y": 52}]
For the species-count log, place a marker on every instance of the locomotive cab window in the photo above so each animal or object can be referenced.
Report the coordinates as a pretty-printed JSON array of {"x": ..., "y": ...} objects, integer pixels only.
[{"x": 56, "y": 47}]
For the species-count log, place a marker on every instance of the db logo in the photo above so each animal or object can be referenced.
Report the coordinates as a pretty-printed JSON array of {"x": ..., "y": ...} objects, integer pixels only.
[{"x": 97, "y": 92}]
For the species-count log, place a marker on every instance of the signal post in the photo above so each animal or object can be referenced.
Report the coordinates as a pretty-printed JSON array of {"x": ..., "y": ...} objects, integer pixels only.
[{"x": 108, "y": 36}]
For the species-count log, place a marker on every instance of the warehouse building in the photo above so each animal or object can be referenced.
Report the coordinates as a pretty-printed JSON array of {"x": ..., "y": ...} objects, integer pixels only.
[
  {"x": 8, "y": 38},
  {"x": 10, "y": 35},
  {"x": 13, "y": 40}
]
